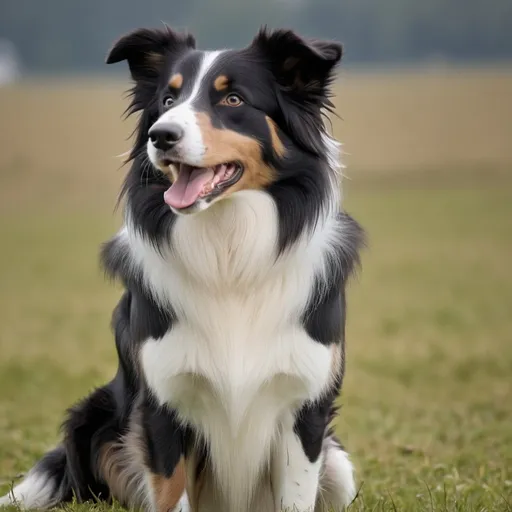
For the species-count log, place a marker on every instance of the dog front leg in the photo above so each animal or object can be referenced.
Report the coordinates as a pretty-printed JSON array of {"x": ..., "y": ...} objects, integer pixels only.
[
  {"x": 297, "y": 463},
  {"x": 165, "y": 472}
]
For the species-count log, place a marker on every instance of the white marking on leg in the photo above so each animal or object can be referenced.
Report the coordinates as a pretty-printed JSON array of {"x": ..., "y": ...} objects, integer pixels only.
[
  {"x": 338, "y": 487},
  {"x": 295, "y": 478}
]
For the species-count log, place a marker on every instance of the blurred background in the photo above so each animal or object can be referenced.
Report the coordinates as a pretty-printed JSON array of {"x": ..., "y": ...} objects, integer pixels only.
[{"x": 424, "y": 105}]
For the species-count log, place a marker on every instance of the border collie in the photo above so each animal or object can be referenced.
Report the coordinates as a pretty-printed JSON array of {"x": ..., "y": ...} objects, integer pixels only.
[{"x": 234, "y": 256}]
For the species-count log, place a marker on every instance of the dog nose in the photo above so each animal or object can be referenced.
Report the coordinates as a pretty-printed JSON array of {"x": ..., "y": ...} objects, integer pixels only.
[{"x": 165, "y": 136}]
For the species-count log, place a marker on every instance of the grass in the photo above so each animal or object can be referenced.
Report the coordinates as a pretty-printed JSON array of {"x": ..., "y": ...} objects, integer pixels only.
[{"x": 427, "y": 401}]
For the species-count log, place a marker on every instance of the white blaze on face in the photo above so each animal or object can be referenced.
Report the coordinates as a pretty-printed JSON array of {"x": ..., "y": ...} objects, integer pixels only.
[{"x": 191, "y": 148}]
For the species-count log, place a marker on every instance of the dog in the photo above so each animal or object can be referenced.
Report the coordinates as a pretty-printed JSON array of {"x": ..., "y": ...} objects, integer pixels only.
[{"x": 234, "y": 254}]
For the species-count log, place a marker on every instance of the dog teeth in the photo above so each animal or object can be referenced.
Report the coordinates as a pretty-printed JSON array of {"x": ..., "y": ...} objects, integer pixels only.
[{"x": 222, "y": 172}]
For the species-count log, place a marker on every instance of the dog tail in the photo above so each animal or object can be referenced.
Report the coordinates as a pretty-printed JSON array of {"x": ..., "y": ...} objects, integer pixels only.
[{"x": 46, "y": 485}]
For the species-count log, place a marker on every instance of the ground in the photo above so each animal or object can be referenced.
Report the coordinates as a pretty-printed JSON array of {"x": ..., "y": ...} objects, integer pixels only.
[{"x": 427, "y": 401}]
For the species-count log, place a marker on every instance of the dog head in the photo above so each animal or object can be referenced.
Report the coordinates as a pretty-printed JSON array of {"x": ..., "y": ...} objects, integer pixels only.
[
  {"x": 214, "y": 123},
  {"x": 223, "y": 121}
]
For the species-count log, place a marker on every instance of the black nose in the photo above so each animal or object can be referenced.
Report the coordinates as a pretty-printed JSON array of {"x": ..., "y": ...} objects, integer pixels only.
[{"x": 165, "y": 135}]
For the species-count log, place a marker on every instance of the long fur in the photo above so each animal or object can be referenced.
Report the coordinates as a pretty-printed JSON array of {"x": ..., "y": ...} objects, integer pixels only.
[{"x": 230, "y": 331}]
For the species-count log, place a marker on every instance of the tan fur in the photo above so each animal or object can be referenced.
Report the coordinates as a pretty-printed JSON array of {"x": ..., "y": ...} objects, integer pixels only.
[
  {"x": 336, "y": 361},
  {"x": 221, "y": 83},
  {"x": 121, "y": 467},
  {"x": 194, "y": 482},
  {"x": 277, "y": 144},
  {"x": 168, "y": 491},
  {"x": 176, "y": 81},
  {"x": 227, "y": 146}
]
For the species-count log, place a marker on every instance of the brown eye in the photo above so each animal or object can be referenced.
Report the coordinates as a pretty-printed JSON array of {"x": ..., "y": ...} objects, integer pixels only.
[
  {"x": 232, "y": 100},
  {"x": 168, "y": 101}
]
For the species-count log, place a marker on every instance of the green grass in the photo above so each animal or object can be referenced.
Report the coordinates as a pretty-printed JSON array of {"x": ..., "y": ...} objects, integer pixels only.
[{"x": 427, "y": 401}]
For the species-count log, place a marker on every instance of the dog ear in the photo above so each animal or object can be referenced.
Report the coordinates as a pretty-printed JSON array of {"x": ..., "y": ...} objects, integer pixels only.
[
  {"x": 147, "y": 49},
  {"x": 298, "y": 64},
  {"x": 304, "y": 71}
]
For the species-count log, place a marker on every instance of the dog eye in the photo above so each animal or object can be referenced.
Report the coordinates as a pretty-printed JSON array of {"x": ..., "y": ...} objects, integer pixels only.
[
  {"x": 232, "y": 100},
  {"x": 168, "y": 102}
]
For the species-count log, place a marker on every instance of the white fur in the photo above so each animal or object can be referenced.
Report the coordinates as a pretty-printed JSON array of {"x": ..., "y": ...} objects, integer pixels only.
[
  {"x": 333, "y": 154},
  {"x": 191, "y": 148},
  {"x": 295, "y": 478},
  {"x": 337, "y": 480},
  {"x": 183, "y": 504},
  {"x": 238, "y": 360},
  {"x": 238, "y": 363},
  {"x": 36, "y": 490}
]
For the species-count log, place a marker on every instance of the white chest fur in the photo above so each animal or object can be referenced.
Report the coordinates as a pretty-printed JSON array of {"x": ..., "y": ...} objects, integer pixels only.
[{"x": 238, "y": 359}]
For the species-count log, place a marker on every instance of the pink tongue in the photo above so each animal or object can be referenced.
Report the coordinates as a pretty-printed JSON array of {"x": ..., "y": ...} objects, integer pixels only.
[{"x": 186, "y": 189}]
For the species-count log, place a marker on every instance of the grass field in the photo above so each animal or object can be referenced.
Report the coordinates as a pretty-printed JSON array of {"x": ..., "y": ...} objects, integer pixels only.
[{"x": 427, "y": 402}]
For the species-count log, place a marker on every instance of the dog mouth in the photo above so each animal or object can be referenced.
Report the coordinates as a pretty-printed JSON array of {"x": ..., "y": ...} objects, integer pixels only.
[{"x": 195, "y": 183}]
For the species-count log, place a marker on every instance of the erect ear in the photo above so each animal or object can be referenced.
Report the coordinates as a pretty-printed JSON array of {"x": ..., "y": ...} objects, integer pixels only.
[
  {"x": 146, "y": 49},
  {"x": 297, "y": 63}
]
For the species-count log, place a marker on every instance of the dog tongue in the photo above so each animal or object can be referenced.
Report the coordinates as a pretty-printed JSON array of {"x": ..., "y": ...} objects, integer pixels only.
[{"x": 187, "y": 188}]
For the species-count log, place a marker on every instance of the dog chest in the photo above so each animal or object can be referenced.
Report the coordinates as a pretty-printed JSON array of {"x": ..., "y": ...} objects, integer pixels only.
[
  {"x": 234, "y": 387},
  {"x": 234, "y": 370}
]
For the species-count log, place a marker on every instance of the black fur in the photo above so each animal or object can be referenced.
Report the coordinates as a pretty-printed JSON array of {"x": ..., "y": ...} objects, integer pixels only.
[
  {"x": 282, "y": 77},
  {"x": 54, "y": 466},
  {"x": 90, "y": 424},
  {"x": 303, "y": 72},
  {"x": 312, "y": 421},
  {"x": 324, "y": 318},
  {"x": 164, "y": 436}
]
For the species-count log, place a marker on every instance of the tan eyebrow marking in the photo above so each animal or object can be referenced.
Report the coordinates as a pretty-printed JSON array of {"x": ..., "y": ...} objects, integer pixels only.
[
  {"x": 176, "y": 81},
  {"x": 221, "y": 83},
  {"x": 277, "y": 143}
]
